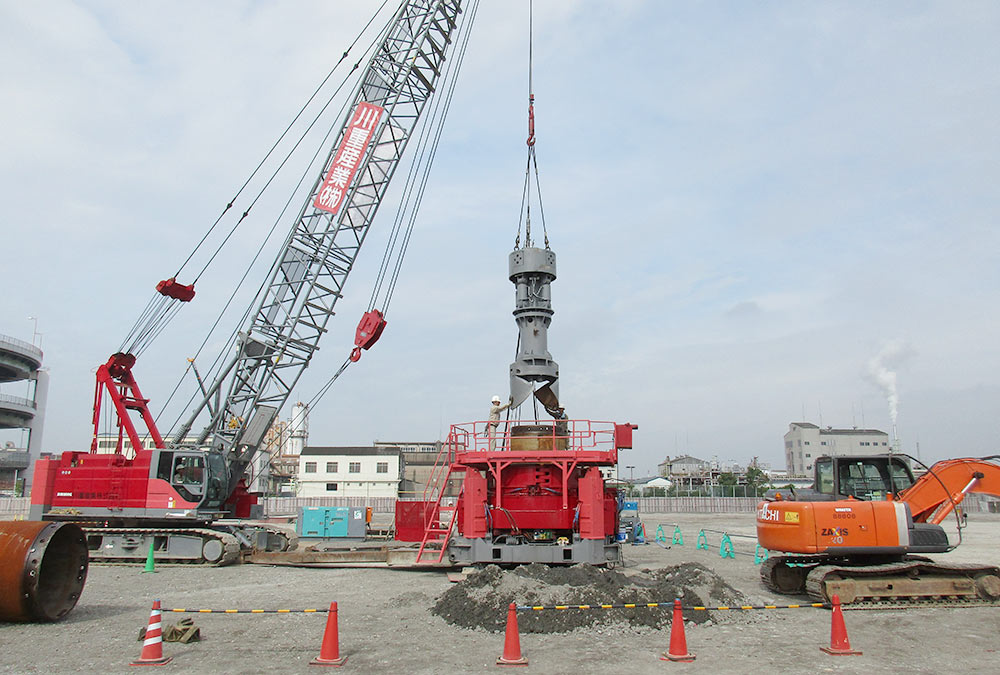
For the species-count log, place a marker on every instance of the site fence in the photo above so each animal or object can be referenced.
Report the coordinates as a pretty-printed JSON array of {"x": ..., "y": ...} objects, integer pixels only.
[
  {"x": 282, "y": 506},
  {"x": 14, "y": 506},
  {"x": 279, "y": 506}
]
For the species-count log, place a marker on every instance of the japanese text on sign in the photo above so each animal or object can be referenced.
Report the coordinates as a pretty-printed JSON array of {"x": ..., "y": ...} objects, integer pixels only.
[{"x": 352, "y": 148}]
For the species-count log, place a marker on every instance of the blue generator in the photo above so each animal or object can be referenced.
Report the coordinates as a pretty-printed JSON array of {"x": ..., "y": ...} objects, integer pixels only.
[{"x": 347, "y": 522}]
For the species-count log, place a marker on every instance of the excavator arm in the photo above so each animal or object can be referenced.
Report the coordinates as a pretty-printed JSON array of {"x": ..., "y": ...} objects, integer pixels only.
[{"x": 936, "y": 494}]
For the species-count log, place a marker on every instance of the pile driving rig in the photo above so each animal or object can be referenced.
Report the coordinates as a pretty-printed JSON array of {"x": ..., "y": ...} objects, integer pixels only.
[
  {"x": 532, "y": 491},
  {"x": 179, "y": 497}
]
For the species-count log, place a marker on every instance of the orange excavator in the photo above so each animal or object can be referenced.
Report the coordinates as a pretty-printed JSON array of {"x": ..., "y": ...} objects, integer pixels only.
[{"x": 863, "y": 529}]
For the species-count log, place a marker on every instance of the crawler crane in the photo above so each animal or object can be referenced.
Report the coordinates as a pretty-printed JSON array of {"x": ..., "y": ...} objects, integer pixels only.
[{"x": 184, "y": 498}]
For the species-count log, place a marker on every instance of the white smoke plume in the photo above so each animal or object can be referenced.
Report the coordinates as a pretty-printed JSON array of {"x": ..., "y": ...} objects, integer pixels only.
[{"x": 882, "y": 372}]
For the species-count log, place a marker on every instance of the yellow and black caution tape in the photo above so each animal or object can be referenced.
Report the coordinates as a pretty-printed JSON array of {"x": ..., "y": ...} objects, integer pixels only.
[
  {"x": 670, "y": 605},
  {"x": 247, "y": 611}
]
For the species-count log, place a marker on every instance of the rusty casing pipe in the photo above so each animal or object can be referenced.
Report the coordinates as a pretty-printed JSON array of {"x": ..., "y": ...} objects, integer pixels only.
[{"x": 43, "y": 567}]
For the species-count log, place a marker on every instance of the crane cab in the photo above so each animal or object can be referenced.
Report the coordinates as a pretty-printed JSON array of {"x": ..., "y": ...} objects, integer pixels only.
[{"x": 197, "y": 476}]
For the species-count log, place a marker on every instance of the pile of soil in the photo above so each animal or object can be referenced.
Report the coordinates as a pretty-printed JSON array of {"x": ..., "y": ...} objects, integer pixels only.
[{"x": 482, "y": 599}]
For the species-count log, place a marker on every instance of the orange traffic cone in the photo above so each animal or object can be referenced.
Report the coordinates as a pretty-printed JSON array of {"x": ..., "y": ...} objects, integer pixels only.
[
  {"x": 512, "y": 642},
  {"x": 329, "y": 652},
  {"x": 678, "y": 643},
  {"x": 839, "y": 644},
  {"x": 152, "y": 644}
]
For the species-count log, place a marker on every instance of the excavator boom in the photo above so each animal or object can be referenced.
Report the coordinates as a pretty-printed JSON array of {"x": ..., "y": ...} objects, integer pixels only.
[{"x": 945, "y": 485}]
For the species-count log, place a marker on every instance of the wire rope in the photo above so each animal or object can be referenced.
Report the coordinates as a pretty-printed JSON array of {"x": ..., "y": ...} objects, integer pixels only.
[
  {"x": 409, "y": 204},
  {"x": 142, "y": 326},
  {"x": 210, "y": 373},
  {"x": 277, "y": 142},
  {"x": 524, "y": 214},
  {"x": 443, "y": 106}
]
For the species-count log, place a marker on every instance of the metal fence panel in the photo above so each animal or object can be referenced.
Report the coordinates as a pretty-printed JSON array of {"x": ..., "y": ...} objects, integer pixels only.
[
  {"x": 16, "y": 506},
  {"x": 283, "y": 506}
]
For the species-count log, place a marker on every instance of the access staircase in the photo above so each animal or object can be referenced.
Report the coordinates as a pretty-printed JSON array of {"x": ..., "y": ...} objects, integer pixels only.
[{"x": 441, "y": 511}]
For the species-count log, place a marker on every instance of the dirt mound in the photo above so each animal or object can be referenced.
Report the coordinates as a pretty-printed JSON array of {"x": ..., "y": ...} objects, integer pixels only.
[{"x": 481, "y": 600}]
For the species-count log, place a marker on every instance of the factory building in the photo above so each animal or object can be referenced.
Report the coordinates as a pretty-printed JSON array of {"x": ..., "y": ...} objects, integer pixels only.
[
  {"x": 804, "y": 442},
  {"x": 685, "y": 465},
  {"x": 349, "y": 472}
]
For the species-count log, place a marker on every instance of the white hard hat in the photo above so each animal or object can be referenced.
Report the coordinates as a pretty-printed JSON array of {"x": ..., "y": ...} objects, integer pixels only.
[{"x": 496, "y": 399}]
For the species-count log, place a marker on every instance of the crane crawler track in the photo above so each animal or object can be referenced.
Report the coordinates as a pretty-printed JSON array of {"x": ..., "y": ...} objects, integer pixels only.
[
  {"x": 189, "y": 546},
  {"x": 908, "y": 583}
]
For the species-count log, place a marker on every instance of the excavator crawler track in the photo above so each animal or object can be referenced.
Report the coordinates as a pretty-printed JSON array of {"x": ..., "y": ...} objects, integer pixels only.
[
  {"x": 907, "y": 583},
  {"x": 786, "y": 575}
]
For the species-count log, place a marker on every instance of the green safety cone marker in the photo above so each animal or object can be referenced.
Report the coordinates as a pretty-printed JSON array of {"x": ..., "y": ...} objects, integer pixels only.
[
  {"x": 726, "y": 547},
  {"x": 702, "y": 541},
  {"x": 678, "y": 538},
  {"x": 661, "y": 538},
  {"x": 150, "y": 567},
  {"x": 759, "y": 555}
]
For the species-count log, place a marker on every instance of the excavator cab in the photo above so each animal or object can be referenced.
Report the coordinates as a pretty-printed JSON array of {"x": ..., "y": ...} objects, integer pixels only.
[
  {"x": 870, "y": 478},
  {"x": 865, "y": 477}
]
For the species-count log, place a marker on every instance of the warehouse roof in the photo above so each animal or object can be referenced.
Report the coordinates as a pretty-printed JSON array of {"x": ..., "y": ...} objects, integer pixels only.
[{"x": 352, "y": 451}]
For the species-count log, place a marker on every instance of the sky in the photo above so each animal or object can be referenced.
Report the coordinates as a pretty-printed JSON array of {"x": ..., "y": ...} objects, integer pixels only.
[{"x": 763, "y": 212}]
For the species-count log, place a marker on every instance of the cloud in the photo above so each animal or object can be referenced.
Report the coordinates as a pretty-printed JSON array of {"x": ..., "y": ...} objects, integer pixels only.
[{"x": 744, "y": 202}]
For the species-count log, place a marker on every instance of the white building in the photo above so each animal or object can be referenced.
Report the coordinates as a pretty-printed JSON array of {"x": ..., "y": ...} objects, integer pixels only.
[
  {"x": 804, "y": 442},
  {"x": 349, "y": 472},
  {"x": 647, "y": 486},
  {"x": 685, "y": 465},
  {"x": 411, "y": 446}
]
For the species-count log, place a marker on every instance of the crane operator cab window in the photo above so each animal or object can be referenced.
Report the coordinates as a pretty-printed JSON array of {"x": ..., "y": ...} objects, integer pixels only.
[{"x": 188, "y": 476}]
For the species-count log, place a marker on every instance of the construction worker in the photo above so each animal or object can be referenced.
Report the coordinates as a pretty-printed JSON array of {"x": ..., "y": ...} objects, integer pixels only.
[{"x": 494, "y": 419}]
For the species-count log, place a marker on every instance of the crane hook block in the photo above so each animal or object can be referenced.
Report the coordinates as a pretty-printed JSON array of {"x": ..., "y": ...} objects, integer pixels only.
[
  {"x": 369, "y": 331},
  {"x": 531, "y": 121},
  {"x": 172, "y": 289}
]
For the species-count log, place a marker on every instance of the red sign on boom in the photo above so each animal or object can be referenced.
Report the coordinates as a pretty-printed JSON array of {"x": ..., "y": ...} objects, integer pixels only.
[{"x": 352, "y": 148}]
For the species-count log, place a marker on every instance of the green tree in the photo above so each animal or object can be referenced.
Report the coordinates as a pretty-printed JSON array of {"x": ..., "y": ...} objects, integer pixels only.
[
  {"x": 757, "y": 480},
  {"x": 727, "y": 478}
]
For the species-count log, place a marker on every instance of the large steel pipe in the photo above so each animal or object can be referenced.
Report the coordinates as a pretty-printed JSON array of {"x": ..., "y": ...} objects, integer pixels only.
[{"x": 43, "y": 567}]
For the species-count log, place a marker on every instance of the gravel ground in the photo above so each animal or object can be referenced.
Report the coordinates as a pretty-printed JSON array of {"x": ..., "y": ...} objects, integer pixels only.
[{"x": 387, "y": 624}]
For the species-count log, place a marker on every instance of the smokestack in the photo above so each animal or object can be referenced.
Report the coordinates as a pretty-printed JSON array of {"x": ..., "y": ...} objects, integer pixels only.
[{"x": 881, "y": 371}]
